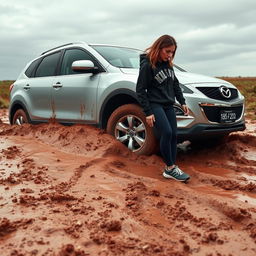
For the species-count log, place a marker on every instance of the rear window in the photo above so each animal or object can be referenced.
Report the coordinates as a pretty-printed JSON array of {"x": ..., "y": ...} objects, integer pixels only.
[
  {"x": 48, "y": 66},
  {"x": 31, "y": 69}
]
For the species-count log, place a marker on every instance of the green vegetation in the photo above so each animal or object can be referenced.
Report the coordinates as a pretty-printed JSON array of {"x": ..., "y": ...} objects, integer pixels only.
[
  {"x": 247, "y": 86},
  {"x": 4, "y": 93}
]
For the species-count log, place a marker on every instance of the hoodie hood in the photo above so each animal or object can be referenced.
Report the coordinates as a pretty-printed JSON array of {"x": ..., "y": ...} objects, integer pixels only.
[{"x": 143, "y": 58}]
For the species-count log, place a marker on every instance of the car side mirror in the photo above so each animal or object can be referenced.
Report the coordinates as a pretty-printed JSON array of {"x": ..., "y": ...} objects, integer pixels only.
[{"x": 84, "y": 66}]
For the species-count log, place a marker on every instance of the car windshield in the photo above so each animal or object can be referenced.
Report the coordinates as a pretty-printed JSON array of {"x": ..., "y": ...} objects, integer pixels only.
[
  {"x": 122, "y": 57},
  {"x": 179, "y": 68}
]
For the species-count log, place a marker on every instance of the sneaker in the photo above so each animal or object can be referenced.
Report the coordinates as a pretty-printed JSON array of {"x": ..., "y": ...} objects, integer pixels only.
[{"x": 176, "y": 173}]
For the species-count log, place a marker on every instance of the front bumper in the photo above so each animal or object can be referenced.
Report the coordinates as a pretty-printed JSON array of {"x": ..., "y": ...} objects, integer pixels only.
[{"x": 201, "y": 130}]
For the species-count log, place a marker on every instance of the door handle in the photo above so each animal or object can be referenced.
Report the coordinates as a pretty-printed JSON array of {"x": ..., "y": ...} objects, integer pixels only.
[
  {"x": 26, "y": 87},
  {"x": 57, "y": 85}
]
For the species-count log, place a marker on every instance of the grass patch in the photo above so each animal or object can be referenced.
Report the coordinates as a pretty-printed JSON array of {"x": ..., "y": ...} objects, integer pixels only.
[
  {"x": 4, "y": 93},
  {"x": 247, "y": 86}
]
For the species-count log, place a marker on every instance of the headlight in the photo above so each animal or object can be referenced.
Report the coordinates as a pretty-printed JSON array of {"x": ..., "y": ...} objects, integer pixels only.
[
  {"x": 178, "y": 111},
  {"x": 185, "y": 89}
]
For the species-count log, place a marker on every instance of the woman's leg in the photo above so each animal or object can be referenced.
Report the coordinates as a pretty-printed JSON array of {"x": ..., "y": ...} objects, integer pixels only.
[
  {"x": 170, "y": 114},
  {"x": 176, "y": 173},
  {"x": 164, "y": 129}
]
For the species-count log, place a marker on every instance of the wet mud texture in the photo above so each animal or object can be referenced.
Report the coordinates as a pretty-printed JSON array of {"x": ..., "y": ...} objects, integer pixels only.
[{"x": 76, "y": 191}]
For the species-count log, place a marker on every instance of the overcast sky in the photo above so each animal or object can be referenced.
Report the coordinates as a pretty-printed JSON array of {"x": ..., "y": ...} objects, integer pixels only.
[{"x": 216, "y": 38}]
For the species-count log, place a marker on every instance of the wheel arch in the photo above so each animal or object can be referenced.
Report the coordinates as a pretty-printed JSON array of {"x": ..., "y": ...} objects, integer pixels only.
[
  {"x": 114, "y": 100},
  {"x": 135, "y": 133},
  {"x": 14, "y": 107}
]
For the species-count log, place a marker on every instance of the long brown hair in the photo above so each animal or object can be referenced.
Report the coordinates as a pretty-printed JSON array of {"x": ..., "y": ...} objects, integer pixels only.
[{"x": 153, "y": 51}]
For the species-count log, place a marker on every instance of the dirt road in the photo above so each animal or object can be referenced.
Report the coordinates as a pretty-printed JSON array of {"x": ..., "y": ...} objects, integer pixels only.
[{"x": 76, "y": 191}]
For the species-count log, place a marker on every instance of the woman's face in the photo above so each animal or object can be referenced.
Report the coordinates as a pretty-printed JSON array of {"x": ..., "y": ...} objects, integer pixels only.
[{"x": 166, "y": 53}]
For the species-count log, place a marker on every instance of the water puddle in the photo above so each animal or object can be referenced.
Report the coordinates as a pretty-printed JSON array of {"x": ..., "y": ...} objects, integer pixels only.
[
  {"x": 250, "y": 155},
  {"x": 208, "y": 169},
  {"x": 215, "y": 191},
  {"x": 247, "y": 199},
  {"x": 246, "y": 179}
]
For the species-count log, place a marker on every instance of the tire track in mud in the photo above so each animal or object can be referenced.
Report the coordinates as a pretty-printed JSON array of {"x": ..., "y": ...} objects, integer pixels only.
[{"x": 97, "y": 200}]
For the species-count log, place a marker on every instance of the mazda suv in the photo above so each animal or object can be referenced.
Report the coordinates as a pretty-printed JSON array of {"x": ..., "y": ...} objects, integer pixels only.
[{"x": 95, "y": 84}]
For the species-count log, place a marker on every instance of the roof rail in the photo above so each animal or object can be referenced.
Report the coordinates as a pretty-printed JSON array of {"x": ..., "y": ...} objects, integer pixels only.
[
  {"x": 79, "y": 42},
  {"x": 56, "y": 48}
]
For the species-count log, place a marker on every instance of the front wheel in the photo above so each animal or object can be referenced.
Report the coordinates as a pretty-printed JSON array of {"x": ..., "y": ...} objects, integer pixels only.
[
  {"x": 20, "y": 117},
  {"x": 128, "y": 125}
]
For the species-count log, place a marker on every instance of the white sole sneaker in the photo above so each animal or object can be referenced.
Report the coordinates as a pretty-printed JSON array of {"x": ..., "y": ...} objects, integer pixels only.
[{"x": 171, "y": 177}]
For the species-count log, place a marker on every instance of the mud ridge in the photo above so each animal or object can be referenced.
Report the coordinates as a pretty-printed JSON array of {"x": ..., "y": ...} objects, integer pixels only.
[{"x": 74, "y": 190}]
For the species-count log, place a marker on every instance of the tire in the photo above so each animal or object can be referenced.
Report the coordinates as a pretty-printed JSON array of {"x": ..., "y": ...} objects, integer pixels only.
[
  {"x": 128, "y": 125},
  {"x": 20, "y": 117}
]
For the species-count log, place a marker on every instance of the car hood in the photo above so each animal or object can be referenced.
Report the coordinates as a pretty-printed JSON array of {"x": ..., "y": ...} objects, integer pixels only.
[
  {"x": 192, "y": 78},
  {"x": 183, "y": 77}
]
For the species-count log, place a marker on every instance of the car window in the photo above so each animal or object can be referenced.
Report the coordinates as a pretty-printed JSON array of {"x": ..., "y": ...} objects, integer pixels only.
[
  {"x": 70, "y": 56},
  {"x": 48, "y": 65},
  {"x": 31, "y": 69}
]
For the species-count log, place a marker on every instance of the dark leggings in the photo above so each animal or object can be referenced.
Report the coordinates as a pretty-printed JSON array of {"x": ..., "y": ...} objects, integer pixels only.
[{"x": 166, "y": 126}]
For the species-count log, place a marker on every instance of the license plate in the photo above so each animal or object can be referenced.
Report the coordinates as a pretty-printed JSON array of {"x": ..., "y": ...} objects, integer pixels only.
[{"x": 227, "y": 116}]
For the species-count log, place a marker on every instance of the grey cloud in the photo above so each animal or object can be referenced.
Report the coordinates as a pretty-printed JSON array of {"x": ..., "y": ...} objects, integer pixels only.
[{"x": 207, "y": 32}]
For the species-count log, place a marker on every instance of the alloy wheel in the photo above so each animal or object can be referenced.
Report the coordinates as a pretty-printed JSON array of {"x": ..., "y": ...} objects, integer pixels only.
[{"x": 131, "y": 131}]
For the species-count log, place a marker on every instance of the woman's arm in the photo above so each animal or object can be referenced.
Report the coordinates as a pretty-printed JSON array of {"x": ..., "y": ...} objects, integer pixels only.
[
  {"x": 143, "y": 83},
  {"x": 178, "y": 91}
]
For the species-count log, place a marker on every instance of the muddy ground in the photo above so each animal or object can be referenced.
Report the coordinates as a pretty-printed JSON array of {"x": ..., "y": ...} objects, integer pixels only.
[{"x": 76, "y": 191}]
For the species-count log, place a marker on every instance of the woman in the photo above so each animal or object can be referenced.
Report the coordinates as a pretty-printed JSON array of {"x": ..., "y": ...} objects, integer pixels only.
[{"x": 157, "y": 88}]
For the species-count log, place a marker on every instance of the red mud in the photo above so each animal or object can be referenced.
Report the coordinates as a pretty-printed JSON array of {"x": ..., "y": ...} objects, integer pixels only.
[{"x": 74, "y": 190}]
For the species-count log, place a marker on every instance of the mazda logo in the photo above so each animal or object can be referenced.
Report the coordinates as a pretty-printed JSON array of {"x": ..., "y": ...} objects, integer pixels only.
[{"x": 225, "y": 91}]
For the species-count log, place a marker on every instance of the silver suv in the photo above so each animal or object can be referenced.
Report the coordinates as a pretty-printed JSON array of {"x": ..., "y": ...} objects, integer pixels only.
[{"x": 95, "y": 84}]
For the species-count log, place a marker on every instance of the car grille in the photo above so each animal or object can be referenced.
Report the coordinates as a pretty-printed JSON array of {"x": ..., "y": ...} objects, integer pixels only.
[
  {"x": 213, "y": 113},
  {"x": 214, "y": 93}
]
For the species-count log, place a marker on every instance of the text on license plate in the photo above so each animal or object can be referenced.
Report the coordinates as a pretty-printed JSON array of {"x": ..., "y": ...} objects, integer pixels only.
[{"x": 227, "y": 116}]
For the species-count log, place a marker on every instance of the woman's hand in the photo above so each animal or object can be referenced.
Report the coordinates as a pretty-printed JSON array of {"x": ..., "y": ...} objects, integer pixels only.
[
  {"x": 185, "y": 109},
  {"x": 150, "y": 120}
]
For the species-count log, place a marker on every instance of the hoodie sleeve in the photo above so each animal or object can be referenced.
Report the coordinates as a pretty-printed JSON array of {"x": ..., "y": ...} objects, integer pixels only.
[
  {"x": 143, "y": 83},
  {"x": 178, "y": 92}
]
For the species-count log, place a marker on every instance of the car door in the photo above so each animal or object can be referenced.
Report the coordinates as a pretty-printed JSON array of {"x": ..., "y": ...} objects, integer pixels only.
[
  {"x": 39, "y": 88},
  {"x": 75, "y": 94}
]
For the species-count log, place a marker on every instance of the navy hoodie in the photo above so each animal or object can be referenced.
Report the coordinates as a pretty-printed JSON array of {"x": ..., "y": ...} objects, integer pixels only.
[{"x": 157, "y": 85}]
